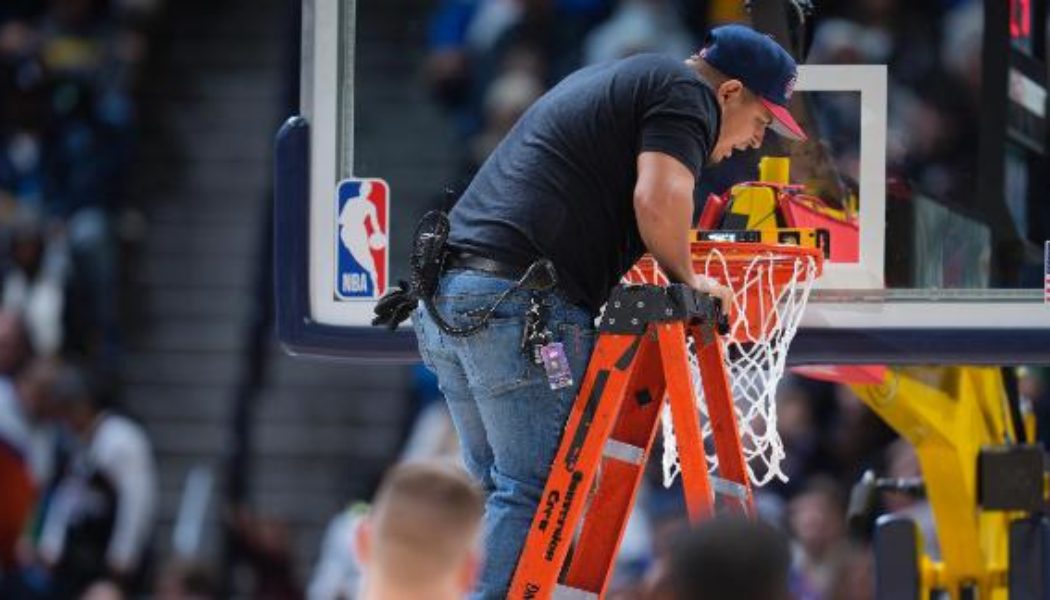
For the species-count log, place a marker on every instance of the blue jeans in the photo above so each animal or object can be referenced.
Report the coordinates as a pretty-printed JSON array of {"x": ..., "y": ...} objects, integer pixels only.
[{"x": 508, "y": 419}]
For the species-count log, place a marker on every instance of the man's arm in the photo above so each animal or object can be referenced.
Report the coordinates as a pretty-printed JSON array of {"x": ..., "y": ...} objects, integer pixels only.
[
  {"x": 663, "y": 205},
  {"x": 128, "y": 462}
]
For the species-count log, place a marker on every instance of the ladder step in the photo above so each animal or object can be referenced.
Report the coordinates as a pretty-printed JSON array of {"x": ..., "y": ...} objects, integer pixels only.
[
  {"x": 624, "y": 452},
  {"x": 607, "y": 438},
  {"x": 562, "y": 592},
  {"x": 729, "y": 488}
]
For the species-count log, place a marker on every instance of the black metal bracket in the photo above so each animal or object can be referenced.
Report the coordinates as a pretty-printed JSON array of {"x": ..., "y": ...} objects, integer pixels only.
[
  {"x": 1029, "y": 569},
  {"x": 1011, "y": 478},
  {"x": 897, "y": 557},
  {"x": 631, "y": 308},
  {"x": 296, "y": 329}
]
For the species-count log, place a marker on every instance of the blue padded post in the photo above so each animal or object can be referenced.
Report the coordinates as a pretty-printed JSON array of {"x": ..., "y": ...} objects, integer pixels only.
[{"x": 298, "y": 333}]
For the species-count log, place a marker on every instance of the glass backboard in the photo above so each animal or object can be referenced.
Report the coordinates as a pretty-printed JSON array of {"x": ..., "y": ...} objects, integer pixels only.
[{"x": 401, "y": 100}]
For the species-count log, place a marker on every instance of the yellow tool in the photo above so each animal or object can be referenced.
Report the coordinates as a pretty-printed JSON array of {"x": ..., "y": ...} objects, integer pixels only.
[
  {"x": 754, "y": 213},
  {"x": 752, "y": 207},
  {"x": 796, "y": 236}
]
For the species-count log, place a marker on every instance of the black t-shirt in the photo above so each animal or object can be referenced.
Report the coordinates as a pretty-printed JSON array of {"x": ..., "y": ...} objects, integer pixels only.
[{"x": 561, "y": 184}]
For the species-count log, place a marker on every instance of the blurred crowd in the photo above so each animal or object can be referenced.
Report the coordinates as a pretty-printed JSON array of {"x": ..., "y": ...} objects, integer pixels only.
[
  {"x": 68, "y": 117},
  {"x": 933, "y": 55},
  {"x": 488, "y": 60},
  {"x": 77, "y": 473},
  {"x": 820, "y": 515}
]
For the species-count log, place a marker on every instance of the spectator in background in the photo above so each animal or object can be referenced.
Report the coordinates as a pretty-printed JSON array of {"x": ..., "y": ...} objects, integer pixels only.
[
  {"x": 952, "y": 173},
  {"x": 666, "y": 527},
  {"x": 855, "y": 578},
  {"x": 796, "y": 424},
  {"x": 266, "y": 544},
  {"x": 817, "y": 522},
  {"x": 1033, "y": 384},
  {"x": 26, "y": 440},
  {"x": 67, "y": 70},
  {"x": 27, "y": 449},
  {"x": 16, "y": 33},
  {"x": 32, "y": 387},
  {"x": 24, "y": 452},
  {"x": 100, "y": 522},
  {"x": 854, "y": 436},
  {"x": 903, "y": 463},
  {"x": 508, "y": 98},
  {"x": 960, "y": 50},
  {"x": 727, "y": 557},
  {"x": 841, "y": 41},
  {"x": 639, "y": 26},
  {"x": 905, "y": 26},
  {"x": 23, "y": 118},
  {"x": 34, "y": 285},
  {"x": 15, "y": 349},
  {"x": 431, "y": 434},
  {"x": 89, "y": 149},
  {"x": 181, "y": 580},
  {"x": 136, "y": 14},
  {"x": 470, "y": 42},
  {"x": 103, "y": 589},
  {"x": 421, "y": 538},
  {"x": 338, "y": 573}
]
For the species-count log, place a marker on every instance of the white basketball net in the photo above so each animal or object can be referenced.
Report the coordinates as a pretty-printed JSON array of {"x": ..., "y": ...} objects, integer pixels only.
[{"x": 756, "y": 355}]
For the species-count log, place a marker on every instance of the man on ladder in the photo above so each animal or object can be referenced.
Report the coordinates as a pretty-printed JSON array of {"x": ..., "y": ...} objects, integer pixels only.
[{"x": 599, "y": 171}]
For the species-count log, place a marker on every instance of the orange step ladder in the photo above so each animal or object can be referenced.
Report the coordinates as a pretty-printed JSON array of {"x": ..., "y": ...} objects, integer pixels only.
[{"x": 640, "y": 361}]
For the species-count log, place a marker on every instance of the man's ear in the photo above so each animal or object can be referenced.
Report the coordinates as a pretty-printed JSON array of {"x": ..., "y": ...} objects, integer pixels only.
[
  {"x": 363, "y": 541},
  {"x": 730, "y": 91}
]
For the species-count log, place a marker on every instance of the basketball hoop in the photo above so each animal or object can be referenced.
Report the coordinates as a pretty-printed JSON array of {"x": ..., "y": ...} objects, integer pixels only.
[{"x": 771, "y": 284}]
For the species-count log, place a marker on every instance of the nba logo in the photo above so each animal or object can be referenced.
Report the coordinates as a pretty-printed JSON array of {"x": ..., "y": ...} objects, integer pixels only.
[{"x": 362, "y": 224}]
